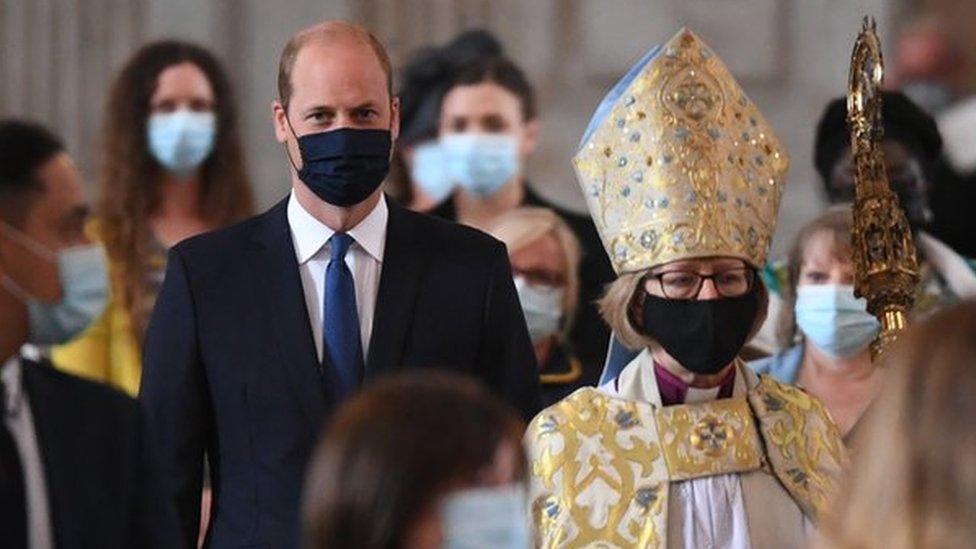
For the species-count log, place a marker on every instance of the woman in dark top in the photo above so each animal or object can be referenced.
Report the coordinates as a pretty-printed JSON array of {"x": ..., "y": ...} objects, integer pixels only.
[{"x": 488, "y": 128}]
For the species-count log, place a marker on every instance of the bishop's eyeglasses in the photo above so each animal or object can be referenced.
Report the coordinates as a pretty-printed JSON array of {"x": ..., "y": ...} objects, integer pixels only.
[{"x": 688, "y": 284}]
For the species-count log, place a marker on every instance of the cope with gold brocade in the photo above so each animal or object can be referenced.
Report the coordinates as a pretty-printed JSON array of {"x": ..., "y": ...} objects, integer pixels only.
[{"x": 679, "y": 164}]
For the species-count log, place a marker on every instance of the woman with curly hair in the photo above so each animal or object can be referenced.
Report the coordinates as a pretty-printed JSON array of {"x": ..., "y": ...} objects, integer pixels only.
[{"x": 172, "y": 168}]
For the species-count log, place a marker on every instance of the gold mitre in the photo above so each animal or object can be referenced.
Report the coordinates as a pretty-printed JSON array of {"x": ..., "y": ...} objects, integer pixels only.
[{"x": 678, "y": 163}]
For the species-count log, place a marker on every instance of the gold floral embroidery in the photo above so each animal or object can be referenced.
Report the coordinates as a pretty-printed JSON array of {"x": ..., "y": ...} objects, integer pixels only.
[
  {"x": 802, "y": 443},
  {"x": 708, "y": 439},
  {"x": 601, "y": 465},
  {"x": 683, "y": 165}
]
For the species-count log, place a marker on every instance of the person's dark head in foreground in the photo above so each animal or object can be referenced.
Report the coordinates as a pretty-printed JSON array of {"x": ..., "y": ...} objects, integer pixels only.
[
  {"x": 52, "y": 278},
  {"x": 913, "y": 483},
  {"x": 412, "y": 461},
  {"x": 912, "y": 148}
]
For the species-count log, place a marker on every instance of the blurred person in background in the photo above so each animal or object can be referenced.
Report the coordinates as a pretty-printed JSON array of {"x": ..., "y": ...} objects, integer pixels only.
[
  {"x": 913, "y": 482},
  {"x": 825, "y": 330},
  {"x": 173, "y": 167},
  {"x": 488, "y": 129},
  {"x": 932, "y": 198},
  {"x": 424, "y": 460},
  {"x": 418, "y": 173},
  {"x": 930, "y": 193},
  {"x": 928, "y": 64},
  {"x": 75, "y": 467},
  {"x": 545, "y": 257}
]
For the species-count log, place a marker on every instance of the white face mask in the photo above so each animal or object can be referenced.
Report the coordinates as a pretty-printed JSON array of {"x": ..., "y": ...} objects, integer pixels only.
[
  {"x": 542, "y": 306},
  {"x": 429, "y": 171},
  {"x": 181, "y": 140},
  {"x": 84, "y": 290},
  {"x": 481, "y": 163},
  {"x": 486, "y": 518},
  {"x": 834, "y": 320}
]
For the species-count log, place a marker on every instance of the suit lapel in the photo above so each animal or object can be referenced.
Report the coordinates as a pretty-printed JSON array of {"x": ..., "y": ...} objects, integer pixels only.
[
  {"x": 57, "y": 447},
  {"x": 280, "y": 291},
  {"x": 404, "y": 261}
]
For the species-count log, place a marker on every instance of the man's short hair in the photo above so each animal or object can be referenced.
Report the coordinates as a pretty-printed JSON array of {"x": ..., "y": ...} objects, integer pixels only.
[
  {"x": 24, "y": 148},
  {"x": 327, "y": 31}
]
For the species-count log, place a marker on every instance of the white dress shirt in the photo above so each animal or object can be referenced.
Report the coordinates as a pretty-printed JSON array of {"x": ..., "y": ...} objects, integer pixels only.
[
  {"x": 17, "y": 415},
  {"x": 364, "y": 259}
]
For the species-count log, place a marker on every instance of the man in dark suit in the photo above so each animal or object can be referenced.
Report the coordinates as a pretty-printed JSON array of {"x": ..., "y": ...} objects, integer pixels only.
[
  {"x": 260, "y": 330},
  {"x": 74, "y": 464}
]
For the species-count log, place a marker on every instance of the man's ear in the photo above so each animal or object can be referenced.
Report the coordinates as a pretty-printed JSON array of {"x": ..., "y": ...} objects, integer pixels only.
[
  {"x": 280, "y": 121},
  {"x": 395, "y": 119},
  {"x": 530, "y": 138}
]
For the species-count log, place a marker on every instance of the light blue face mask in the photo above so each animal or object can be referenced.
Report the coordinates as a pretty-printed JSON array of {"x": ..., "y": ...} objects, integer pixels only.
[
  {"x": 180, "y": 141},
  {"x": 84, "y": 291},
  {"x": 481, "y": 163},
  {"x": 486, "y": 518},
  {"x": 542, "y": 307},
  {"x": 428, "y": 170},
  {"x": 834, "y": 320}
]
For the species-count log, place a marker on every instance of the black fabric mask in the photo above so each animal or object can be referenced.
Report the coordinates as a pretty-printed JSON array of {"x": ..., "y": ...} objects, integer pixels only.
[
  {"x": 343, "y": 167},
  {"x": 704, "y": 336}
]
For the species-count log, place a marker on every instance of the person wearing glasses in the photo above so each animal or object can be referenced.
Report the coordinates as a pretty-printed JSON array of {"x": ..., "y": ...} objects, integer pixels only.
[{"x": 686, "y": 447}]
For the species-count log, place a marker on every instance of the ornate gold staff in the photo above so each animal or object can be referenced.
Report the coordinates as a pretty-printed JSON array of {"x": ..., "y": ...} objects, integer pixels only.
[{"x": 885, "y": 264}]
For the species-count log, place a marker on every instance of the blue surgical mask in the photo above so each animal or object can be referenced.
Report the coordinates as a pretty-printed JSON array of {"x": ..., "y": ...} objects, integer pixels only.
[
  {"x": 542, "y": 306},
  {"x": 84, "y": 291},
  {"x": 180, "y": 141},
  {"x": 834, "y": 320},
  {"x": 428, "y": 171},
  {"x": 481, "y": 163},
  {"x": 486, "y": 518}
]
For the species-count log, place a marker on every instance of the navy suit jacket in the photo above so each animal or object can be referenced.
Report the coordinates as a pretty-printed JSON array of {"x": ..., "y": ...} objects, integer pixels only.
[
  {"x": 102, "y": 485},
  {"x": 230, "y": 367}
]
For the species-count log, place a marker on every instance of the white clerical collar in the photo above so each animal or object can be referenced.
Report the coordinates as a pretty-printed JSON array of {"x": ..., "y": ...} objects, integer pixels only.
[
  {"x": 696, "y": 395},
  {"x": 310, "y": 234}
]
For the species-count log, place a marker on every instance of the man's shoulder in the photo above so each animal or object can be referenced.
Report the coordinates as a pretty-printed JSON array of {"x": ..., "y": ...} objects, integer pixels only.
[
  {"x": 446, "y": 237},
  {"x": 83, "y": 395},
  {"x": 229, "y": 239}
]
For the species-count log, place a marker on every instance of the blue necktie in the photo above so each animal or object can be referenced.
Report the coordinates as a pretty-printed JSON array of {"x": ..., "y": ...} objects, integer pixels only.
[{"x": 340, "y": 329}]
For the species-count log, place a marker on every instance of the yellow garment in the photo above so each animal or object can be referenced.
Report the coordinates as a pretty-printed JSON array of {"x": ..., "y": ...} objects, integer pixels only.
[{"x": 105, "y": 352}]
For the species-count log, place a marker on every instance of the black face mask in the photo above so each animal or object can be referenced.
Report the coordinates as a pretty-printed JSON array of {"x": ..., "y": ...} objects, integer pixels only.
[
  {"x": 343, "y": 167},
  {"x": 704, "y": 336}
]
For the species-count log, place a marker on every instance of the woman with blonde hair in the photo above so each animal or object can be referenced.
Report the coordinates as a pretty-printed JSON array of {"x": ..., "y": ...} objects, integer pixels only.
[
  {"x": 913, "y": 483},
  {"x": 545, "y": 258},
  {"x": 824, "y": 329},
  {"x": 172, "y": 168}
]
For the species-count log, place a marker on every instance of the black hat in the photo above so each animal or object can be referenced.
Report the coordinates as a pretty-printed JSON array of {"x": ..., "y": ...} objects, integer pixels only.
[{"x": 903, "y": 121}]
